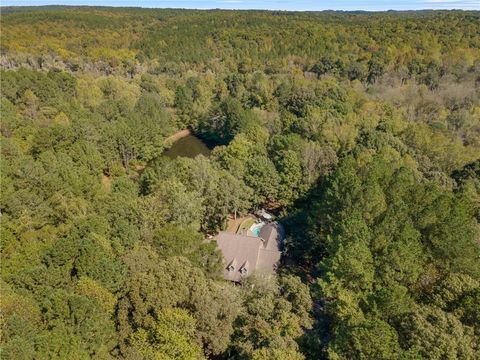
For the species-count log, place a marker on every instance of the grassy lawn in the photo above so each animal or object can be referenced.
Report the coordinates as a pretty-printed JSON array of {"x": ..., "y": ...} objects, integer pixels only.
[
  {"x": 246, "y": 224},
  {"x": 233, "y": 224}
]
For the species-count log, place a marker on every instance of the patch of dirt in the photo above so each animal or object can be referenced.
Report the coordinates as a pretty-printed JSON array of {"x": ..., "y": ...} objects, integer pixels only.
[
  {"x": 178, "y": 135},
  {"x": 107, "y": 182}
]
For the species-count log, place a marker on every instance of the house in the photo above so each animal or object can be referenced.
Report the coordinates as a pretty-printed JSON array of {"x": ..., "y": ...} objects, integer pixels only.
[{"x": 244, "y": 255}]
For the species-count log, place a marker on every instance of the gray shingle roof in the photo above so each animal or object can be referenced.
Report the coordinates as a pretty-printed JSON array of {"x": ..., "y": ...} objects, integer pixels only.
[
  {"x": 238, "y": 250},
  {"x": 243, "y": 255},
  {"x": 273, "y": 234}
]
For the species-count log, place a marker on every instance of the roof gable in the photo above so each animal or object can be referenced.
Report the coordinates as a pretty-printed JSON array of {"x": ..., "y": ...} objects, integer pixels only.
[
  {"x": 244, "y": 255},
  {"x": 241, "y": 251}
]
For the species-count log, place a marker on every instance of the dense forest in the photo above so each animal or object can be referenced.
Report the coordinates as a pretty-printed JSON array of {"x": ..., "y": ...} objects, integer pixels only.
[{"x": 359, "y": 131}]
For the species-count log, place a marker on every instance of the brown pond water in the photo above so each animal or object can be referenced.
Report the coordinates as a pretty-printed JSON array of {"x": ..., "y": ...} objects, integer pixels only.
[{"x": 188, "y": 146}]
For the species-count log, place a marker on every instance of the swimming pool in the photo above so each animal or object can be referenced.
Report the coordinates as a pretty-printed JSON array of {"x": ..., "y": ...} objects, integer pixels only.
[{"x": 255, "y": 229}]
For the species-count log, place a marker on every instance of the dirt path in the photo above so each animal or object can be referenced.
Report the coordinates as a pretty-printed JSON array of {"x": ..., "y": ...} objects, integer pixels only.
[{"x": 178, "y": 135}]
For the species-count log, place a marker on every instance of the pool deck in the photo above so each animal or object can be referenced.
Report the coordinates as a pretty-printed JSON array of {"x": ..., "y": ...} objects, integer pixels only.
[
  {"x": 254, "y": 227},
  {"x": 245, "y": 225}
]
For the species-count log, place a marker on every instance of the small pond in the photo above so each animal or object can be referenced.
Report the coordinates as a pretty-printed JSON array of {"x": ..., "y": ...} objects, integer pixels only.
[{"x": 188, "y": 146}]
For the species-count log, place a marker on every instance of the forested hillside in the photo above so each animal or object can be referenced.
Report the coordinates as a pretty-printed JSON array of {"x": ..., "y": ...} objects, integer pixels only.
[{"x": 360, "y": 131}]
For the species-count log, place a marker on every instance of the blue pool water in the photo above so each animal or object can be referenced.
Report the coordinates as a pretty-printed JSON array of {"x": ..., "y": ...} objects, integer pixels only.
[{"x": 255, "y": 229}]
